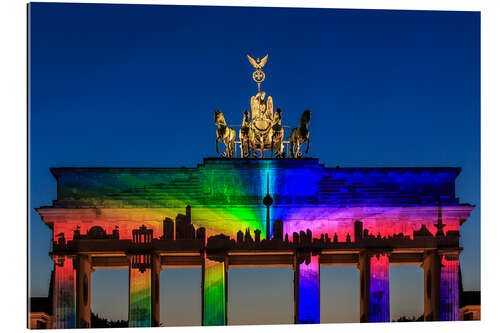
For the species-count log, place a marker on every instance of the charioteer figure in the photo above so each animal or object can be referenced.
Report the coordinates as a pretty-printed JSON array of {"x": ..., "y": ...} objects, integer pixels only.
[{"x": 264, "y": 130}]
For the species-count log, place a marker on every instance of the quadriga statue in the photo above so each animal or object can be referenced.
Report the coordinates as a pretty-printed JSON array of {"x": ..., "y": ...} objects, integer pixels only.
[
  {"x": 225, "y": 134},
  {"x": 300, "y": 135},
  {"x": 265, "y": 126}
]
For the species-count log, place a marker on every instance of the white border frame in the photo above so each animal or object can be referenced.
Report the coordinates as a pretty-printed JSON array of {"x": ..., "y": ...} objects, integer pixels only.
[{"x": 13, "y": 83}]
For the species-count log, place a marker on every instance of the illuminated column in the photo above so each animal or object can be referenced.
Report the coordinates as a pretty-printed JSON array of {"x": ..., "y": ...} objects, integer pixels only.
[
  {"x": 374, "y": 287},
  {"x": 379, "y": 288},
  {"x": 139, "y": 308},
  {"x": 83, "y": 271},
  {"x": 432, "y": 277},
  {"x": 448, "y": 293},
  {"x": 306, "y": 289},
  {"x": 64, "y": 301},
  {"x": 214, "y": 291}
]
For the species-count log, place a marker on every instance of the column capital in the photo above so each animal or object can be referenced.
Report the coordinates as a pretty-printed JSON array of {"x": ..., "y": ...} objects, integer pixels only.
[
  {"x": 450, "y": 254},
  {"x": 374, "y": 252},
  {"x": 427, "y": 255},
  {"x": 59, "y": 260},
  {"x": 87, "y": 257},
  {"x": 156, "y": 262},
  {"x": 62, "y": 256}
]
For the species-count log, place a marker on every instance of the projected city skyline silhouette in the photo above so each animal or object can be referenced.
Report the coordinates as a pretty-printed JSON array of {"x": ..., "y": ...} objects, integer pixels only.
[{"x": 367, "y": 217}]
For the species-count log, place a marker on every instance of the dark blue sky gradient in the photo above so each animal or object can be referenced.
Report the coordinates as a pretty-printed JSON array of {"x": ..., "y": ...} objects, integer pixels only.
[{"x": 135, "y": 85}]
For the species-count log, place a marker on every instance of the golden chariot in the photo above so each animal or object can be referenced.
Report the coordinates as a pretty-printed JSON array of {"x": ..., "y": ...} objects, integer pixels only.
[{"x": 263, "y": 131}]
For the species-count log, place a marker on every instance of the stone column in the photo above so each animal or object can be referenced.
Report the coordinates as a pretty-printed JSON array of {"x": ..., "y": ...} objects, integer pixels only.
[
  {"x": 83, "y": 271},
  {"x": 432, "y": 277},
  {"x": 448, "y": 287},
  {"x": 306, "y": 289},
  {"x": 155, "y": 289},
  {"x": 214, "y": 290},
  {"x": 441, "y": 300},
  {"x": 374, "y": 287},
  {"x": 364, "y": 287},
  {"x": 64, "y": 293},
  {"x": 139, "y": 314}
]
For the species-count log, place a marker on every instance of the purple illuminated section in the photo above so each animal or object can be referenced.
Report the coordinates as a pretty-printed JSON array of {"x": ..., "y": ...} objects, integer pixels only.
[
  {"x": 64, "y": 293},
  {"x": 384, "y": 220},
  {"x": 379, "y": 289},
  {"x": 309, "y": 291},
  {"x": 448, "y": 298}
]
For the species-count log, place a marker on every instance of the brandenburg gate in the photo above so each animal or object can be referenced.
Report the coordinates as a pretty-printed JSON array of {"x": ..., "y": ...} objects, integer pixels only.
[
  {"x": 214, "y": 217},
  {"x": 228, "y": 212}
]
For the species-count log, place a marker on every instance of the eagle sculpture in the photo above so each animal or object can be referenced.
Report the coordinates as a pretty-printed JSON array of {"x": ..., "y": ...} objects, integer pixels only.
[{"x": 259, "y": 63}]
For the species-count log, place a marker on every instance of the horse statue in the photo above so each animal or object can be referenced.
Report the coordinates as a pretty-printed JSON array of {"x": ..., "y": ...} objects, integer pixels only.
[
  {"x": 300, "y": 135},
  {"x": 244, "y": 135},
  {"x": 224, "y": 134},
  {"x": 277, "y": 135}
]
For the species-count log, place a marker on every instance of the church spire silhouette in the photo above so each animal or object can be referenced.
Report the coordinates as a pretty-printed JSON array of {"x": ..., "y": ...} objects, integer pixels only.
[{"x": 439, "y": 225}]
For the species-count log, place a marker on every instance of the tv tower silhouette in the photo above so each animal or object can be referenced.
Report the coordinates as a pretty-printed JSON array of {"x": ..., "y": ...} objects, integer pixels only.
[{"x": 268, "y": 201}]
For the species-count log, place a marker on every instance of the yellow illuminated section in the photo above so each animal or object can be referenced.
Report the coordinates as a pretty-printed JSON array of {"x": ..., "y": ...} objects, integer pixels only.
[{"x": 140, "y": 295}]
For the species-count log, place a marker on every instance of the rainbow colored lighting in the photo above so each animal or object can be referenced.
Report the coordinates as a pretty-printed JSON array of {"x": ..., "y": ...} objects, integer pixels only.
[
  {"x": 379, "y": 289},
  {"x": 140, "y": 293},
  {"x": 64, "y": 293},
  {"x": 214, "y": 286},
  {"x": 309, "y": 307},
  {"x": 226, "y": 195},
  {"x": 448, "y": 296}
]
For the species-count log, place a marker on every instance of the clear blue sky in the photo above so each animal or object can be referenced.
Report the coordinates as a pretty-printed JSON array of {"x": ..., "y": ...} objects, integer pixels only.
[{"x": 136, "y": 85}]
